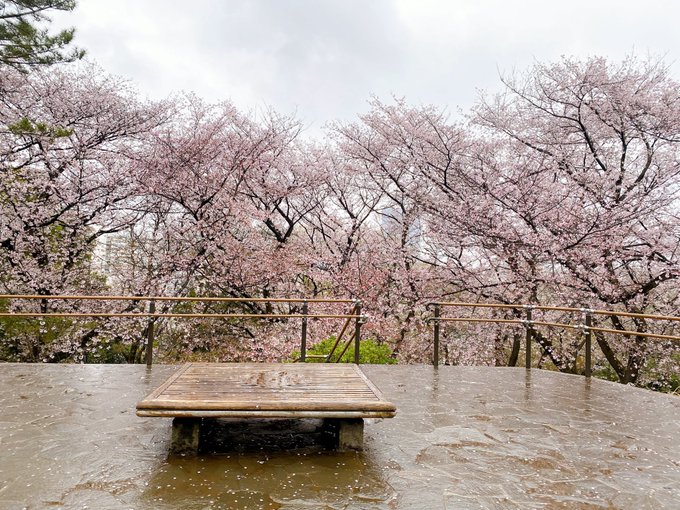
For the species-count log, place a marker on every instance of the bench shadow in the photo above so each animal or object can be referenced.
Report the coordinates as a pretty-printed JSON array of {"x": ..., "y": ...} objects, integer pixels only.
[{"x": 234, "y": 435}]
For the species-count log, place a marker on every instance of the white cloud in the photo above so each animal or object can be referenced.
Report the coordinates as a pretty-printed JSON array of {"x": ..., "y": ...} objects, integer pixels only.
[{"x": 324, "y": 59}]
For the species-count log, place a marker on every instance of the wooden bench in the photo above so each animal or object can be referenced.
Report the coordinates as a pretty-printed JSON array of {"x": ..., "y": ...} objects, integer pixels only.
[{"x": 340, "y": 394}]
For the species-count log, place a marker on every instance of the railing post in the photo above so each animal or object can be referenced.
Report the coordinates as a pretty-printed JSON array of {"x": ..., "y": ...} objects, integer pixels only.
[
  {"x": 437, "y": 313},
  {"x": 589, "y": 341},
  {"x": 150, "y": 334},
  {"x": 303, "y": 341},
  {"x": 529, "y": 335},
  {"x": 357, "y": 331}
]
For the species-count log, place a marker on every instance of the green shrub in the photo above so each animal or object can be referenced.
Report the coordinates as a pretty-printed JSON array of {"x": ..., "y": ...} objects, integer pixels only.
[{"x": 370, "y": 352}]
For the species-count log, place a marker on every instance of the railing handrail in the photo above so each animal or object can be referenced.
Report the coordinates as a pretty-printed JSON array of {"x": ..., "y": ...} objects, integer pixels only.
[
  {"x": 522, "y": 322},
  {"x": 173, "y": 298},
  {"x": 185, "y": 315},
  {"x": 520, "y": 306}
]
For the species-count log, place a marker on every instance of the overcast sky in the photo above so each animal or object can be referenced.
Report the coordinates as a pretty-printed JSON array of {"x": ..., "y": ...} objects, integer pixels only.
[{"x": 323, "y": 59}]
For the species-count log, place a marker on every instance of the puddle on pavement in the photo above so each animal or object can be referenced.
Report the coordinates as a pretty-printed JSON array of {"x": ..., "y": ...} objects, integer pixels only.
[
  {"x": 272, "y": 481},
  {"x": 463, "y": 437}
]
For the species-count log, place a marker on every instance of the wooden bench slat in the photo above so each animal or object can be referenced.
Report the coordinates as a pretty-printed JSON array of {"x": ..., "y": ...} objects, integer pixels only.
[{"x": 260, "y": 389}]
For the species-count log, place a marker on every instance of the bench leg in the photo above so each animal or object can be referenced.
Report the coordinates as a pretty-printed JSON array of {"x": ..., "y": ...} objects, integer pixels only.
[
  {"x": 348, "y": 433},
  {"x": 351, "y": 434},
  {"x": 186, "y": 436}
]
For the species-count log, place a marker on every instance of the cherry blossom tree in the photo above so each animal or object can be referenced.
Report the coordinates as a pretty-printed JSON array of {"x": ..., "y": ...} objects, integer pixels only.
[
  {"x": 561, "y": 190},
  {"x": 587, "y": 185},
  {"x": 384, "y": 152},
  {"x": 67, "y": 143},
  {"x": 228, "y": 195}
]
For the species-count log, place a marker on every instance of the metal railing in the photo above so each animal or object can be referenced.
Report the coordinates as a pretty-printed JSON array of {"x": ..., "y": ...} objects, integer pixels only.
[
  {"x": 586, "y": 327},
  {"x": 153, "y": 315},
  {"x": 359, "y": 320},
  {"x": 356, "y": 338}
]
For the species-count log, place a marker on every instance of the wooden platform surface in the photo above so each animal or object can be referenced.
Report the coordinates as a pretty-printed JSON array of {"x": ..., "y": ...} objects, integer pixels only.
[{"x": 268, "y": 390}]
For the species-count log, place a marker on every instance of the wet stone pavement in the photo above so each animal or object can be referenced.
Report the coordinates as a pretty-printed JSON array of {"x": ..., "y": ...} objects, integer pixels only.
[{"x": 463, "y": 438}]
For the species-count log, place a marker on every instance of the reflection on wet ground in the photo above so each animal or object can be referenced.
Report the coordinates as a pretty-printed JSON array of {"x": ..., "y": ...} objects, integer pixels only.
[{"x": 463, "y": 438}]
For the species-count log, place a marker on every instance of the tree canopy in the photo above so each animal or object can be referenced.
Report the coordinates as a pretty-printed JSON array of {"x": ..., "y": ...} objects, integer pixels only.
[
  {"x": 26, "y": 41},
  {"x": 564, "y": 189}
]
